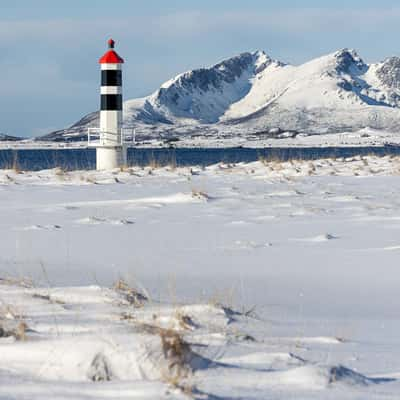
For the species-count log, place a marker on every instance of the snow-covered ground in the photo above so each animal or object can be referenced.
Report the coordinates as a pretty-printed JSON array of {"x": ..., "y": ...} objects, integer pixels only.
[{"x": 266, "y": 280}]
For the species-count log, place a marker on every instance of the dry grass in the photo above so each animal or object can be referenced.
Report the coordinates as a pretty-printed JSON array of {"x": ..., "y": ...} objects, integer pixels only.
[
  {"x": 131, "y": 294},
  {"x": 8, "y": 312},
  {"x": 18, "y": 331},
  {"x": 15, "y": 164},
  {"x": 172, "y": 164},
  {"x": 128, "y": 317},
  {"x": 266, "y": 160},
  {"x": 369, "y": 164},
  {"x": 157, "y": 163},
  {"x": 200, "y": 194},
  {"x": 58, "y": 171},
  {"x": 154, "y": 163},
  {"x": 12, "y": 320},
  {"x": 126, "y": 168},
  {"x": 176, "y": 351},
  {"x": 12, "y": 323},
  {"x": 276, "y": 166},
  {"x": 185, "y": 321},
  {"x": 311, "y": 168},
  {"x": 21, "y": 282},
  {"x": 61, "y": 174},
  {"x": 178, "y": 354},
  {"x": 88, "y": 179}
]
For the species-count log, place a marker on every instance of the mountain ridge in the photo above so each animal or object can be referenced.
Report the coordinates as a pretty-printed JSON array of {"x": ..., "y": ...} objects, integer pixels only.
[
  {"x": 252, "y": 93},
  {"x": 9, "y": 138}
]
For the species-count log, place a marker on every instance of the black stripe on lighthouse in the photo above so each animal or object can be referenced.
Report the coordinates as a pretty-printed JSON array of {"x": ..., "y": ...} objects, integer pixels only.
[
  {"x": 111, "y": 77},
  {"x": 111, "y": 102}
]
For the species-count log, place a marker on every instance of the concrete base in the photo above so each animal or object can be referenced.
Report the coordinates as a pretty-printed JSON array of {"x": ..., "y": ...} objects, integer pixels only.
[{"x": 110, "y": 157}]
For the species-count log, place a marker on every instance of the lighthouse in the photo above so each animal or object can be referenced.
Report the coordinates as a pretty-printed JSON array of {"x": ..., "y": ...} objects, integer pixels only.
[{"x": 110, "y": 148}]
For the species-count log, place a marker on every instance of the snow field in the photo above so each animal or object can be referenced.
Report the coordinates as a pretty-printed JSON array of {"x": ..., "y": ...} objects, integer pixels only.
[
  {"x": 92, "y": 337},
  {"x": 248, "y": 281}
]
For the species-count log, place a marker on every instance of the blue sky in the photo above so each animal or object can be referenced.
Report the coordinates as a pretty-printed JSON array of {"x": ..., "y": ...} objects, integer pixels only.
[{"x": 49, "y": 49}]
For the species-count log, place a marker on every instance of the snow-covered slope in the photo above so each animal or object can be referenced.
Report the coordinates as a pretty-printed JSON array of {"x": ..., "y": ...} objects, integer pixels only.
[
  {"x": 252, "y": 93},
  {"x": 203, "y": 95}
]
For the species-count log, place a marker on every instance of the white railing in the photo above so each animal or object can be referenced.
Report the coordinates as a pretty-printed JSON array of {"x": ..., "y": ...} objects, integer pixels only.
[{"x": 98, "y": 137}]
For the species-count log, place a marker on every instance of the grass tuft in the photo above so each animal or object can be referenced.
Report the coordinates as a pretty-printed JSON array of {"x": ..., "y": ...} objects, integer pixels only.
[
  {"x": 177, "y": 353},
  {"x": 132, "y": 295},
  {"x": 199, "y": 194}
]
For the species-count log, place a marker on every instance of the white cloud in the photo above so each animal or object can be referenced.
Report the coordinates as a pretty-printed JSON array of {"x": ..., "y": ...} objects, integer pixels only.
[{"x": 72, "y": 32}]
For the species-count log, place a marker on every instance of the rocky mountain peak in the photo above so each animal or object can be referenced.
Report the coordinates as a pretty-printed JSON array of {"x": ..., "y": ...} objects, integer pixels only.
[
  {"x": 348, "y": 61},
  {"x": 389, "y": 72}
]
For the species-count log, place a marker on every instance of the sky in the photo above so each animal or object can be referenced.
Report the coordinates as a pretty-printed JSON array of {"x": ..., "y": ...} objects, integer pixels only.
[{"x": 49, "y": 49}]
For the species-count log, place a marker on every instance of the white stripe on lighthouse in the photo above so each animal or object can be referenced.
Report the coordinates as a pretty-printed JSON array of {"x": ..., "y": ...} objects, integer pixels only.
[
  {"x": 111, "y": 66},
  {"x": 111, "y": 90}
]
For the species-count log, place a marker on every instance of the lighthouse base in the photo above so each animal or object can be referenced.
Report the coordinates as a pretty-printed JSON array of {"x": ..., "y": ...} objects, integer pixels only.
[{"x": 108, "y": 158}]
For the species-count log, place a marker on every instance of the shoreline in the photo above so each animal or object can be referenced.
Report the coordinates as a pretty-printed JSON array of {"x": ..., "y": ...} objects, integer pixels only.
[
  {"x": 210, "y": 146},
  {"x": 367, "y": 137}
]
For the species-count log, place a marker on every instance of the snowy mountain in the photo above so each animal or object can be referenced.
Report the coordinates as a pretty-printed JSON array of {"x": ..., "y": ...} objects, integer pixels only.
[
  {"x": 252, "y": 93},
  {"x": 8, "y": 138}
]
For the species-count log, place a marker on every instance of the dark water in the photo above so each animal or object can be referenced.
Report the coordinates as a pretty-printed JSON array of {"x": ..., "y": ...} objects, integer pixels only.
[{"x": 71, "y": 159}]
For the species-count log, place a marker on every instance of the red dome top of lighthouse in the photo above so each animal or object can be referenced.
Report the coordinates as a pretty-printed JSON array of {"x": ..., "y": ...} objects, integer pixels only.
[{"x": 111, "y": 57}]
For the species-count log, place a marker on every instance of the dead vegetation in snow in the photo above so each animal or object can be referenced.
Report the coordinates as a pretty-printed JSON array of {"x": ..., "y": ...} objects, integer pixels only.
[
  {"x": 266, "y": 167},
  {"x": 130, "y": 294}
]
